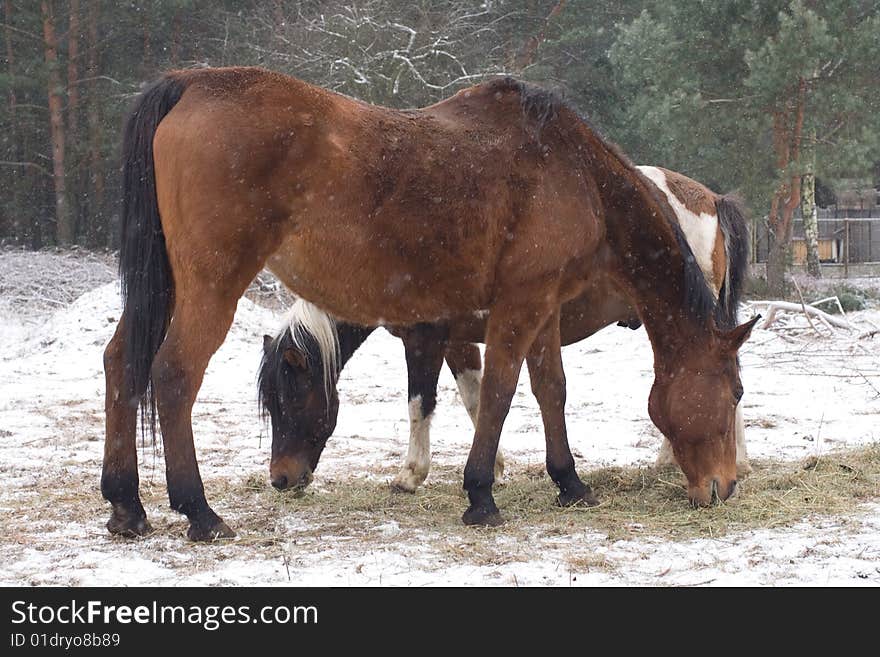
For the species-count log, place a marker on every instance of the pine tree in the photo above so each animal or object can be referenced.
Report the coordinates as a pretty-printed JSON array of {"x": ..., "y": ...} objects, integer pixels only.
[{"x": 731, "y": 93}]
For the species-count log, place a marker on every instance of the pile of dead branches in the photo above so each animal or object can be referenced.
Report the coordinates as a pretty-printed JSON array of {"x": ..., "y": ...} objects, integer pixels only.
[
  {"x": 36, "y": 283},
  {"x": 801, "y": 317},
  {"x": 267, "y": 291}
]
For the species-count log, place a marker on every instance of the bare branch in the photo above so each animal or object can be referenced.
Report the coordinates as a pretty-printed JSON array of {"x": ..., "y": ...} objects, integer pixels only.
[
  {"x": 30, "y": 35},
  {"x": 31, "y": 165}
]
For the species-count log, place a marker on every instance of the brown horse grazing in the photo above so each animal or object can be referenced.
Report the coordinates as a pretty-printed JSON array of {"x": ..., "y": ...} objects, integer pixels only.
[
  {"x": 302, "y": 402},
  {"x": 500, "y": 198}
]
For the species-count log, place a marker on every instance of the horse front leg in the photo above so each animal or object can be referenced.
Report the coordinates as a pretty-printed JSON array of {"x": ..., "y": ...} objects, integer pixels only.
[
  {"x": 466, "y": 365},
  {"x": 548, "y": 385},
  {"x": 424, "y": 345},
  {"x": 509, "y": 334},
  {"x": 743, "y": 467},
  {"x": 665, "y": 457}
]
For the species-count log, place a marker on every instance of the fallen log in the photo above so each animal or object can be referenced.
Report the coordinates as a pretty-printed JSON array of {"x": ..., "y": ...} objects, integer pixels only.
[{"x": 774, "y": 306}]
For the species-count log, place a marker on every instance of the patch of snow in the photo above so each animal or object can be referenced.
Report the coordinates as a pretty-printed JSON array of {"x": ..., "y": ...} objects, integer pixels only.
[{"x": 799, "y": 402}]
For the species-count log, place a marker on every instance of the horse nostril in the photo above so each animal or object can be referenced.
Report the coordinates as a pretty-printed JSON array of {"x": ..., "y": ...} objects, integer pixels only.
[
  {"x": 732, "y": 488},
  {"x": 280, "y": 482},
  {"x": 713, "y": 492}
]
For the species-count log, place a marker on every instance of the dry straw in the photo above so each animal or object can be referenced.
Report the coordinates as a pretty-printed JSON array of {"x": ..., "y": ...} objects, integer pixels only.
[
  {"x": 645, "y": 501},
  {"x": 357, "y": 511}
]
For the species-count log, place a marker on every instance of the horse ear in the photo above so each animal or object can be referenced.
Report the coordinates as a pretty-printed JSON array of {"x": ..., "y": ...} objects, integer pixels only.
[
  {"x": 267, "y": 343},
  {"x": 735, "y": 338},
  {"x": 296, "y": 358}
]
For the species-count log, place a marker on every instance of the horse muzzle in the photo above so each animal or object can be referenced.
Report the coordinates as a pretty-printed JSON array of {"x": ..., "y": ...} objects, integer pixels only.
[
  {"x": 714, "y": 492},
  {"x": 289, "y": 474}
]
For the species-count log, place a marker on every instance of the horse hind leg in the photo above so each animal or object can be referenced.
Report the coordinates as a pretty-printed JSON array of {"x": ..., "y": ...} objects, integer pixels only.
[
  {"x": 119, "y": 474},
  {"x": 463, "y": 359},
  {"x": 425, "y": 345},
  {"x": 201, "y": 320}
]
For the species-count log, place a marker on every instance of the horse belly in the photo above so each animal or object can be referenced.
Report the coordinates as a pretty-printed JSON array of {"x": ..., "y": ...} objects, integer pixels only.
[{"x": 371, "y": 280}]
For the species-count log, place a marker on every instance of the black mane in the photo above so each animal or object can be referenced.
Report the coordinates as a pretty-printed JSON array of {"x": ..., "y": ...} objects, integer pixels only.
[
  {"x": 699, "y": 302},
  {"x": 541, "y": 107},
  {"x": 274, "y": 372},
  {"x": 735, "y": 227}
]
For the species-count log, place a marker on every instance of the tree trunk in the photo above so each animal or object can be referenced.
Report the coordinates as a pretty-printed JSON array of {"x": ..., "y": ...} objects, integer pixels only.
[
  {"x": 16, "y": 228},
  {"x": 63, "y": 224},
  {"x": 73, "y": 101},
  {"x": 97, "y": 226},
  {"x": 39, "y": 229},
  {"x": 73, "y": 70},
  {"x": 278, "y": 13},
  {"x": 811, "y": 224},
  {"x": 778, "y": 260},
  {"x": 175, "y": 38},
  {"x": 147, "y": 61},
  {"x": 526, "y": 56},
  {"x": 787, "y": 144},
  {"x": 808, "y": 208}
]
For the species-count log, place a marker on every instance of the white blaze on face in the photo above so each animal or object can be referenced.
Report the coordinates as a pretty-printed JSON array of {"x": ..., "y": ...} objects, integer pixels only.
[
  {"x": 418, "y": 458},
  {"x": 699, "y": 229}
]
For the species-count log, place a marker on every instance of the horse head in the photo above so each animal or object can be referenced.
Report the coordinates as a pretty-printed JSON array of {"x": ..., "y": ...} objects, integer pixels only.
[
  {"x": 693, "y": 402},
  {"x": 297, "y": 389}
]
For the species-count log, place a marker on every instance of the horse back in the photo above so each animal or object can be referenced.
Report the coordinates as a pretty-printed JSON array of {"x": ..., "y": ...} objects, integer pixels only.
[{"x": 452, "y": 198}]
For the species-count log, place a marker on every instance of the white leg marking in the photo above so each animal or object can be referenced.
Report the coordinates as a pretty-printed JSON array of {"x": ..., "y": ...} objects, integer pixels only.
[
  {"x": 666, "y": 456},
  {"x": 468, "y": 383},
  {"x": 742, "y": 456},
  {"x": 418, "y": 459}
]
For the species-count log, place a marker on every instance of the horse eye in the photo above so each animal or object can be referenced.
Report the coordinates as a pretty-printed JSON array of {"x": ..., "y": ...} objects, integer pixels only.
[
  {"x": 298, "y": 380},
  {"x": 738, "y": 392}
]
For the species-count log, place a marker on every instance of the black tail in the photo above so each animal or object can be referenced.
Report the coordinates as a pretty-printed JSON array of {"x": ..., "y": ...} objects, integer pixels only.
[
  {"x": 147, "y": 283},
  {"x": 735, "y": 227}
]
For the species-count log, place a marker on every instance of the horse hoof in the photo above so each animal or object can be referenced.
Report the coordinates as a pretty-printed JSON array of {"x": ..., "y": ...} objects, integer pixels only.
[
  {"x": 128, "y": 525},
  {"x": 406, "y": 482},
  {"x": 402, "y": 487},
  {"x": 209, "y": 531},
  {"x": 482, "y": 517},
  {"x": 743, "y": 469},
  {"x": 584, "y": 496}
]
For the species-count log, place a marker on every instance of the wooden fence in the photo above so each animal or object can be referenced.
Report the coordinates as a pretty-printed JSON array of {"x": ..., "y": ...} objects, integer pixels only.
[{"x": 842, "y": 240}]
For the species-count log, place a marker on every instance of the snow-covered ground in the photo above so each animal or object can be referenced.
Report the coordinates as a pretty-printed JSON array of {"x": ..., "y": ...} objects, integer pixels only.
[{"x": 804, "y": 396}]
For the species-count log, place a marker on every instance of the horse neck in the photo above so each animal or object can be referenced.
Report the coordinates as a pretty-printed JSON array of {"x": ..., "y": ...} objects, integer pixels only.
[
  {"x": 649, "y": 256},
  {"x": 351, "y": 337}
]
